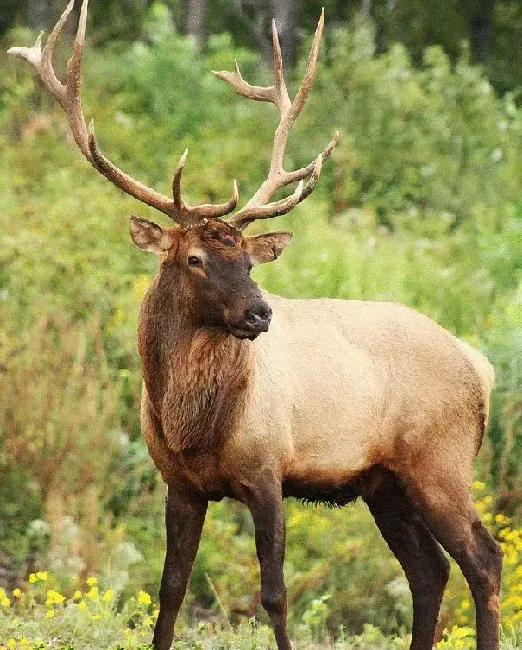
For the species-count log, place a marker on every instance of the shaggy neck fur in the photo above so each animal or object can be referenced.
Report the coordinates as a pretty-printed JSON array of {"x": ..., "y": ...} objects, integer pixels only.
[{"x": 197, "y": 378}]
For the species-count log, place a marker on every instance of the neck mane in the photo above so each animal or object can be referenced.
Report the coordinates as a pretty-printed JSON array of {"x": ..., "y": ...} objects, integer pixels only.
[{"x": 198, "y": 379}]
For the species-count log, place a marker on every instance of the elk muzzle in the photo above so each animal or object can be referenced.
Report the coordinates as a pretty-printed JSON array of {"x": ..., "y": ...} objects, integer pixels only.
[{"x": 255, "y": 319}]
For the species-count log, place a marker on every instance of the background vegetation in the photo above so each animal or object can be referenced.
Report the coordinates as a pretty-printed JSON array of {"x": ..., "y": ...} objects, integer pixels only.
[{"x": 421, "y": 204}]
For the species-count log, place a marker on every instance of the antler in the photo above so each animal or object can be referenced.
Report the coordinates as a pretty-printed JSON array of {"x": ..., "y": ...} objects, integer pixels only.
[
  {"x": 68, "y": 96},
  {"x": 258, "y": 207}
]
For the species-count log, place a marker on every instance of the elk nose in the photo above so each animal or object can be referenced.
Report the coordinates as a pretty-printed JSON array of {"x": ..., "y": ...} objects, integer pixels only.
[{"x": 259, "y": 316}]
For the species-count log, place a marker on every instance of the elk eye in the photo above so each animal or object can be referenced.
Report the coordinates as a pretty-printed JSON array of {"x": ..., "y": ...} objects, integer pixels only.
[{"x": 193, "y": 260}]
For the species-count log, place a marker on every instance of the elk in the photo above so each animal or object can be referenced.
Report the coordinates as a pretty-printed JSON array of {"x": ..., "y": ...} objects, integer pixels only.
[{"x": 257, "y": 397}]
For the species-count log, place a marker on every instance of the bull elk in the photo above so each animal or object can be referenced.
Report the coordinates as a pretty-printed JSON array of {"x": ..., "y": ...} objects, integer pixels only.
[{"x": 337, "y": 399}]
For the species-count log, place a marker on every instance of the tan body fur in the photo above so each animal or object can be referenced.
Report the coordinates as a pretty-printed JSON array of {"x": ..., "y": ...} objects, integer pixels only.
[{"x": 332, "y": 389}]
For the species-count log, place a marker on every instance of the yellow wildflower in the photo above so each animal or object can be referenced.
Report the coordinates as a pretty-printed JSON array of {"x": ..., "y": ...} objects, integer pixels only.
[
  {"x": 144, "y": 598},
  {"x": 95, "y": 617},
  {"x": 50, "y": 613},
  {"x": 502, "y": 520},
  {"x": 93, "y": 593},
  {"x": 155, "y": 613},
  {"x": 92, "y": 581},
  {"x": 4, "y": 600},
  {"x": 39, "y": 576},
  {"x": 479, "y": 485},
  {"x": 77, "y": 595},
  {"x": 462, "y": 632},
  {"x": 82, "y": 605},
  {"x": 108, "y": 595},
  {"x": 54, "y": 597},
  {"x": 11, "y": 643}
]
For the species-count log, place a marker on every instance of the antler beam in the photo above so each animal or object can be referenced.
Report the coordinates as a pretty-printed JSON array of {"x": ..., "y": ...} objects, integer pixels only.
[
  {"x": 258, "y": 207},
  {"x": 69, "y": 98}
]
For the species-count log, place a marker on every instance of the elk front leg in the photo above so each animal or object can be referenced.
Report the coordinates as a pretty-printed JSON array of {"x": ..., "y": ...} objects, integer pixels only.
[
  {"x": 269, "y": 522},
  {"x": 184, "y": 520}
]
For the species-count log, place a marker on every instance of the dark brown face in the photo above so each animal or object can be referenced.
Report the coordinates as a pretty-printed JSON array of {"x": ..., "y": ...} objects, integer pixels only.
[
  {"x": 216, "y": 270},
  {"x": 212, "y": 263}
]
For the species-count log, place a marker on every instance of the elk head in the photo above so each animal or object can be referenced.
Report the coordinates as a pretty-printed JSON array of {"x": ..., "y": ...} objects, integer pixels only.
[
  {"x": 209, "y": 264},
  {"x": 210, "y": 258}
]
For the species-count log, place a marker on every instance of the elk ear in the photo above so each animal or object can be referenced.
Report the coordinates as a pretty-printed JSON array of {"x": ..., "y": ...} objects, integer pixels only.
[
  {"x": 149, "y": 236},
  {"x": 267, "y": 247}
]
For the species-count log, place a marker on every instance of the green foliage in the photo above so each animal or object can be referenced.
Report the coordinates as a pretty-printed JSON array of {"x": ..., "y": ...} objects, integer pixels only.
[
  {"x": 421, "y": 204},
  {"x": 416, "y": 24},
  {"x": 47, "y": 441}
]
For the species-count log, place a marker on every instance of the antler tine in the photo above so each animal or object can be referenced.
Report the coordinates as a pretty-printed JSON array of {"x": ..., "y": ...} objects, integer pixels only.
[
  {"x": 258, "y": 207},
  {"x": 308, "y": 80},
  {"x": 204, "y": 211},
  {"x": 277, "y": 208},
  {"x": 69, "y": 98},
  {"x": 42, "y": 61},
  {"x": 274, "y": 209},
  {"x": 298, "y": 174},
  {"x": 74, "y": 109},
  {"x": 176, "y": 182},
  {"x": 259, "y": 93},
  {"x": 281, "y": 98}
]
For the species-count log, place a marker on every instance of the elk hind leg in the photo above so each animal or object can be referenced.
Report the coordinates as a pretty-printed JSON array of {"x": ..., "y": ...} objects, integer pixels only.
[
  {"x": 448, "y": 510},
  {"x": 419, "y": 554}
]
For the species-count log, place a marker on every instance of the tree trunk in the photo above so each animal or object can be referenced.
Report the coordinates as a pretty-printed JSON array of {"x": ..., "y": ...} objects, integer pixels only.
[
  {"x": 480, "y": 16},
  {"x": 285, "y": 14},
  {"x": 196, "y": 20},
  {"x": 8, "y": 15},
  {"x": 43, "y": 14},
  {"x": 39, "y": 13}
]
